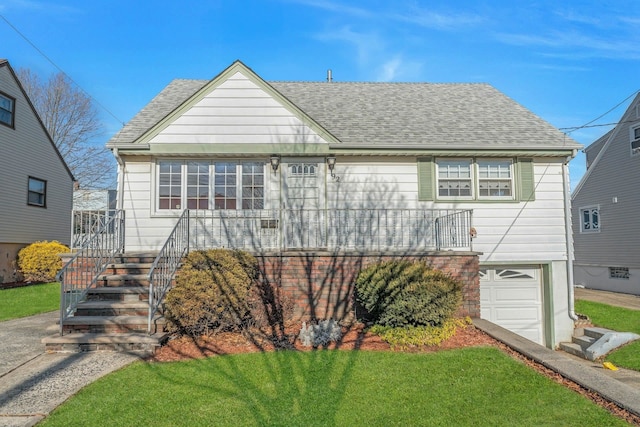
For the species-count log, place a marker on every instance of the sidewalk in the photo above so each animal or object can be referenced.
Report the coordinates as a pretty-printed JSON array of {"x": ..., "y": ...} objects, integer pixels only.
[
  {"x": 33, "y": 383},
  {"x": 611, "y": 298}
]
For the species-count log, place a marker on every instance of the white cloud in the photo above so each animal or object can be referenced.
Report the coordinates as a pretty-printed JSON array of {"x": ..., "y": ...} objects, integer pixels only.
[
  {"x": 577, "y": 44},
  {"x": 389, "y": 70},
  {"x": 439, "y": 21},
  {"x": 365, "y": 44}
]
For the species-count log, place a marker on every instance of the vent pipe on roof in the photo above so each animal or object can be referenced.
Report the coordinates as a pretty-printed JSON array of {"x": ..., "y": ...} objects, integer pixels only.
[{"x": 329, "y": 76}]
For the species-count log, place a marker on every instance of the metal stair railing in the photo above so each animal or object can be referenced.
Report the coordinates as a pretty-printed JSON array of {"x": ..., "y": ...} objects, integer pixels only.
[
  {"x": 81, "y": 272},
  {"x": 166, "y": 264}
]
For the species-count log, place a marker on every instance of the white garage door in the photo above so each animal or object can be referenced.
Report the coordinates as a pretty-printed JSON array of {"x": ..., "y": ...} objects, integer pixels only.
[{"x": 512, "y": 298}]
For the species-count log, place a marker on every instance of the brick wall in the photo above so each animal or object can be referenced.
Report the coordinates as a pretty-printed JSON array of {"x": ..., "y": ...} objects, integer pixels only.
[{"x": 320, "y": 284}]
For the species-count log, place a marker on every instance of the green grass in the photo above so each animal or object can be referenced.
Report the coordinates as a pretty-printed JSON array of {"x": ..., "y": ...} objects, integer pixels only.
[
  {"x": 618, "y": 319},
  {"x": 29, "y": 300},
  {"x": 466, "y": 387}
]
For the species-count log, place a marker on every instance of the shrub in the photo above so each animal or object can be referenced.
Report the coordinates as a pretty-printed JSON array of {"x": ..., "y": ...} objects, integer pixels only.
[
  {"x": 211, "y": 291},
  {"x": 40, "y": 261},
  {"x": 319, "y": 334},
  {"x": 404, "y": 293},
  {"x": 415, "y": 336}
]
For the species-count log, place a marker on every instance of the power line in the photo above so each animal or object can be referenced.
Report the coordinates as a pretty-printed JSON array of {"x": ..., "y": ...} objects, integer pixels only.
[
  {"x": 574, "y": 128},
  {"x": 60, "y": 69},
  {"x": 588, "y": 124}
]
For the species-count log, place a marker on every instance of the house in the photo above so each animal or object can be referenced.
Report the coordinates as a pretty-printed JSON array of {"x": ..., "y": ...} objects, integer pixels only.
[
  {"x": 606, "y": 247},
  {"x": 37, "y": 185},
  {"x": 368, "y": 167},
  {"x": 91, "y": 208},
  {"x": 94, "y": 200}
]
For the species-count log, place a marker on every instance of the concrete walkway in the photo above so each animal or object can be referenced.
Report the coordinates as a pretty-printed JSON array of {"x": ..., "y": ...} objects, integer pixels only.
[
  {"x": 32, "y": 382},
  {"x": 611, "y": 298}
]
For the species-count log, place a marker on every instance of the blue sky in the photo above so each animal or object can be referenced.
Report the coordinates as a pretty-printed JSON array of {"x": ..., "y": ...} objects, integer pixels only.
[{"x": 569, "y": 62}]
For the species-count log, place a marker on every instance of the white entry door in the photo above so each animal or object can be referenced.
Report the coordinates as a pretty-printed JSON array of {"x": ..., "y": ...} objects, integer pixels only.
[
  {"x": 511, "y": 297},
  {"x": 304, "y": 220}
]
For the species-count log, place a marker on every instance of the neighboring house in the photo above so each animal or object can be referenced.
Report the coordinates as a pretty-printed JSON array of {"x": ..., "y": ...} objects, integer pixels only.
[
  {"x": 94, "y": 200},
  {"x": 606, "y": 246},
  {"x": 319, "y": 166},
  {"x": 37, "y": 186},
  {"x": 90, "y": 210}
]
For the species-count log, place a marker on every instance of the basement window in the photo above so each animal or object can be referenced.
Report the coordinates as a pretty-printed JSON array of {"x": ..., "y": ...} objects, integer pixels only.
[{"x": 619, "y": 273}]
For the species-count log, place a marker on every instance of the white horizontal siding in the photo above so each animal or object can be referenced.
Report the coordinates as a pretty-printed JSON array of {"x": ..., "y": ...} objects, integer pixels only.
[
  {"x": 238, "y": 111},
  {"x": 26, "y": 151},
  {"x": 372, "y": 183},
  {"x": 507, "y": 231}
]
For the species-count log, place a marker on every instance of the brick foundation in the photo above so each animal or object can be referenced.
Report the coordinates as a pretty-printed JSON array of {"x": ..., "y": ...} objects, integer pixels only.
[{"x": 321, "y": 284}]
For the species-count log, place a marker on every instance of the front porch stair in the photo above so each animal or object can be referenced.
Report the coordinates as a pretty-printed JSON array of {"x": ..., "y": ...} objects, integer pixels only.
[
  {"x": 114, "y": 314},
  {"x": 591, "y": 343},
  {"x": 122, "y": 342}
]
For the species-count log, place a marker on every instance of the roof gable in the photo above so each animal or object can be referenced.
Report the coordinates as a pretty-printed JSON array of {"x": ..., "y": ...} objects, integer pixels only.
[
  {"x": 18, "y": 85},
  {"x": 598, "y": 149},
  {"x": 185, "y": 99}
]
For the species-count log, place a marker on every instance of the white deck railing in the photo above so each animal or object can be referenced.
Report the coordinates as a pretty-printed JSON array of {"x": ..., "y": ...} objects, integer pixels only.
[{"x": 349, "y": 229}]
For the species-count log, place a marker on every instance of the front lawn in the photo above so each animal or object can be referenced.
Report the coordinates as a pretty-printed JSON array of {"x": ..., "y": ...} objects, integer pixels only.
[
  {"x": 617, "y": 319},
  {"x": 466, "y": 387},
  {"x": 29, "y": 300}
]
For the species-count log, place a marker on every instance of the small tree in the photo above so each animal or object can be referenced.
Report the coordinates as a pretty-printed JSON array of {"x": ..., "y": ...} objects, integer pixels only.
[{"x": 71, "y": 119}]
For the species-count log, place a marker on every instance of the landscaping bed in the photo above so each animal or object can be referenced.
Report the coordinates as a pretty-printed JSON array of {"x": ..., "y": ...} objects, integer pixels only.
[{"x": 353, "y": 338}]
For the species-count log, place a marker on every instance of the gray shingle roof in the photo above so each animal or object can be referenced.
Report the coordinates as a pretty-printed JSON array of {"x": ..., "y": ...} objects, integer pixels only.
[{"x": 386, "y": 114}]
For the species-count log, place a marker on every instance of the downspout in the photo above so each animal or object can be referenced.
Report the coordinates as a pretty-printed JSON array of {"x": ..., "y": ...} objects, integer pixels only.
[
  {"x": 120, "y": 200},
  {"x": 569, "y": 237}
]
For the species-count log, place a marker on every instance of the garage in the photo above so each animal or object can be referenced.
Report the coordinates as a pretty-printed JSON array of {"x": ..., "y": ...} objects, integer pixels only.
[{"x": 511, "y": 296}]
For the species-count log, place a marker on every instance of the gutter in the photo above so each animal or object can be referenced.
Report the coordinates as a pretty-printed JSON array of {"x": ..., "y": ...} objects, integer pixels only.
[
  {"x": 569, "y": 237},
  {"x": 121, "y": 167}
]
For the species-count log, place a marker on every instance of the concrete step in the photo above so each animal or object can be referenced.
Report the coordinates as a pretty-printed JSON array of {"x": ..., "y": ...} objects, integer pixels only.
[
  {"x": 128, "y": 268},
  {"x": 113, "y": 308},
  {"x": 80, "y": 342},
  {"x": 595, "y": 332},
  {"x": 136, "y": 257},
  {"x": 583, "y": 341},
  {"x": 592, "y": 343},
  {"x": 122, "y": 293},
  {"x": 123, "y": 280},
  {"x": 572, "y": 348},
  {"x": 112, "y": 324}
]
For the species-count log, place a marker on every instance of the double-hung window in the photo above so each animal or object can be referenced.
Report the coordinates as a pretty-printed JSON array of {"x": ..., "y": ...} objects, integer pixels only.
[
  {"x": 635, "y": 140},
  {"x": 455, "y": 179},
  {"x": 590, "y": 219},
  {"x": 475, "y": 179},
  {"x": 495, "y": 179},
  {"x": 170, "y": 185},
  {"x": 7, "y": 110},
  {"x": 37, "y": 192},
  {"x": 210, "y": 185}
]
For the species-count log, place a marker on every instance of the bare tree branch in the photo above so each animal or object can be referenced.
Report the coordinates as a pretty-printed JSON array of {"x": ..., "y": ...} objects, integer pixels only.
[{"x": 73, "y": 123}]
